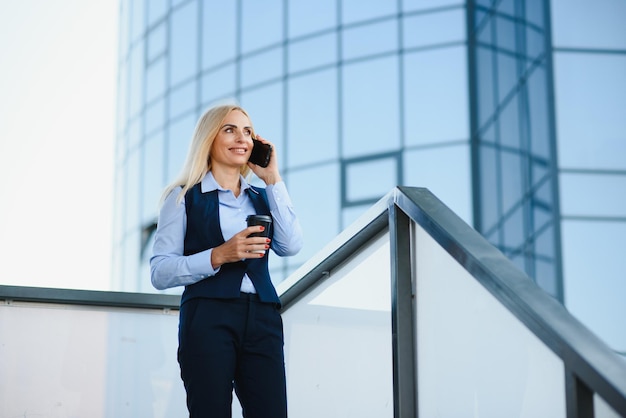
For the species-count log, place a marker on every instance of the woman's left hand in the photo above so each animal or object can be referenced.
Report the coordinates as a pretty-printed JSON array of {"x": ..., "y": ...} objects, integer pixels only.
[{"x": 269, "y": 174}]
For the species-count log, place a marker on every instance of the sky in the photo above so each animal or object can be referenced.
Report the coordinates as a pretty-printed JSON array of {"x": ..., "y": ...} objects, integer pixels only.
[{"x": 58, "y": 82}]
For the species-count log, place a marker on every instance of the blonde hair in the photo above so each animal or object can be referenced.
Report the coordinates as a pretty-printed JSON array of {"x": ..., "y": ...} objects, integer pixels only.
[{"x": 198, "y": 162}]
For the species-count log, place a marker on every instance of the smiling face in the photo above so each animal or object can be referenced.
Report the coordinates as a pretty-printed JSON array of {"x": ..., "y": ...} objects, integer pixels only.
[{"x": 233, "y": 143}]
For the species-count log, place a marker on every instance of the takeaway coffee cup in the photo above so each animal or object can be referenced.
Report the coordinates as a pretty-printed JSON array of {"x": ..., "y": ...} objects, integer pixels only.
[{"x": 263, "y": 220}]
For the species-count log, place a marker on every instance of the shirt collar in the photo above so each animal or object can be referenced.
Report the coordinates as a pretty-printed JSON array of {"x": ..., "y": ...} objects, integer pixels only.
[{"x": 208, "y": 184}]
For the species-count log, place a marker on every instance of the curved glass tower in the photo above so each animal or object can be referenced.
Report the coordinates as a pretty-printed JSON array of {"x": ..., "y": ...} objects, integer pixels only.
[{"x": 471, "y": 99}]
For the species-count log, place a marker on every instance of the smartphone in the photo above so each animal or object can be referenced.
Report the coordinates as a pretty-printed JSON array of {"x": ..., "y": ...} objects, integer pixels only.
[{"x": 261, "y": 153}]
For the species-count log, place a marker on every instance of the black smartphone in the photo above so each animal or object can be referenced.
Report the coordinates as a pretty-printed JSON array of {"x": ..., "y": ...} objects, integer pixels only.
[{"x": 261, "y": 153}]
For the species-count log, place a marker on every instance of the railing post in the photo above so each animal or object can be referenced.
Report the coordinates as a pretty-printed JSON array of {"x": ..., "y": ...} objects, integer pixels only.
[
  {"x": 578, "y": 397},
  {"x": 403, "y": 317}
]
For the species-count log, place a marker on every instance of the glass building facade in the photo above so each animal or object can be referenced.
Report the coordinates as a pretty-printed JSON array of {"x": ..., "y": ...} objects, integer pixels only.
[{"x": 506, "y": 110}]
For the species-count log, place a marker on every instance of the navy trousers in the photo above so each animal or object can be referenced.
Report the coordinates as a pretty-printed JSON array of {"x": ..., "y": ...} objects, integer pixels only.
[{"x": 227, "y": 344}]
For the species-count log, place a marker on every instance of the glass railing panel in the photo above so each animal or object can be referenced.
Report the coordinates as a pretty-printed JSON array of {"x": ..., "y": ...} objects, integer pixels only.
[
  {"x": 61, "y": 360},
  {"x": 338, "y": 341},
  {"x": 473, "y": 356},
  {"x": 603, "y": 410}
]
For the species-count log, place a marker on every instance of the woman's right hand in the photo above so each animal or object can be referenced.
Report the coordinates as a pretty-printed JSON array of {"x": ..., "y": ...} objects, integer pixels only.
[{"x": 240, "y": 246}]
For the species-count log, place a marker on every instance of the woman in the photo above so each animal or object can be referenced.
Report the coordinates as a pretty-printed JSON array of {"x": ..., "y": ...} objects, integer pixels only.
[{"x": 230, "y": 331}]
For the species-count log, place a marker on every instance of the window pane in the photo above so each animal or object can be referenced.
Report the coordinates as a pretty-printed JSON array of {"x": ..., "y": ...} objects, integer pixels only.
[
  {"x": 179, "y": 138},
  {"x": 311, "y": 16},
  {"x": 435, "y": 95},
  {"x": 156, "y": 10},
  {"x": 514, "y": 231},
  {"x": 368, "y": 128},
  {"x": 312, "y": 126},
  {"x": 511, "y": 172},
  {"x": 184, "y": 43},
  {"x": 155, "y": 80},
  {"x": 183, "y": 99},
  {"x": 320, "y": 223},
  {"x": 443, "y": 170},
  {"x": 155, "y": 116},
  {"x": 157, "y": 41},
  {"x": 218, "y": 84},
  {"x": 591, "y": 93},
  {"x": 594, "y": 264},
  {"x": 380, "y": 37},
  {"x": 488, "y": 188},
  {"x": 358, "y": 10},
  {"x": 261, "y": 24},
  {"x": 570, "y": 16},
  {"x": 370, "y": 179},
  {"x": 312, "y": 52},
  {"x": 510, "y": 125},
  {"x": 219, "y": 32},
  {"x": 410, "y": 5},
  {"x": 604, "y": 195},
  {"x": 136, "y": 73},
  {"x": 539, "y": 115},
  {"x": 262, "y": 67},
  {"x": 434, "y": 28},
  {"x": 484, "y": 64},
  {"x": 507, "y": 75},
  {"x": 153, "y": 176}
]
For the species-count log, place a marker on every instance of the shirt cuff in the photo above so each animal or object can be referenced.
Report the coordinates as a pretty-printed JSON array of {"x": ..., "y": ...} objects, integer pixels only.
[{"x": 199, "y": 264}]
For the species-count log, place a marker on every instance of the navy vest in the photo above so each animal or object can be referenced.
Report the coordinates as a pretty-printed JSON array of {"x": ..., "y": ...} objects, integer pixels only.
[{"x": 204, "y": 232}]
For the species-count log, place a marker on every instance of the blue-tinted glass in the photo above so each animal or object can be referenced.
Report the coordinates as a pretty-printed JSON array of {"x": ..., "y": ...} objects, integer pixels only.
[
  {"x": 534, "y": 12},
  {"x": 510, "y": 125},
  {"x": 179, "y": 137},
  {"x": 488, "y": 187},
  {"x": 543, "y": 206},
  {"x": 514, "y": 230},
  {"x": 411, "y": 5},
  {"x": 604, "y": 194},
  {"x": 435, "y": 96},
  {"x": 507, "y": 7},
  {"x": 368, "y": 126},
  {"x": 155, "y": 80},
  {"x": 219, "y": 32},
  {"x": 152, "y": 184},
  {"x": 603, "y": 21},
  {"x": 594, "y": 264},
  {"x": 351, "y": 214},
  {"x": 507, "y": 75},
  {"x": 591, "y": 116},
  {"x": 312, "y": 52},
  {"x": 444, "y": 171},
  {"x": 544, "y": 244},
  {"x": 539, "y": 116},
  {"x": 136, "y": 72},
  {"x": 184, "y": 43},
  {"x": 265, "y": 107},
  {"x": 505, "y": 34},
  {"x": 540, "y": 169},
  {"x": 155, "y": 116},
  {"x": 134, "y": 134},
  {"x": 122, "y": 95},
  {"x": 218, "y": 84},
  {"x": 545, "y": 276},
  {"x": 156, "y": 10},
  {"x": 261, "y": 24},
  {"x": 320, "y": 222},
  {"x": 484, "y": 63},
  {"x": 535, "y": 44},
  {"x": 484, "y": 24},
  {"x": 175, "y": 3},
  {"x": 183, "y": 99},
  {"x": 511, "y": 172},
  {"x": 433, "y": 28},
  {"x": 137, "y": 19},
  {"x": 370, "y": 39},
  {"x": 157, "y": 41},
  {"x": 370, "y": 179},
  {"x": 132, "y": 192},
  {"x": 311, "y": 16},
  {"x": 262, "y": 67},
  {"x": 359, "y": 10},
  {"x": 312, "y": 125}
]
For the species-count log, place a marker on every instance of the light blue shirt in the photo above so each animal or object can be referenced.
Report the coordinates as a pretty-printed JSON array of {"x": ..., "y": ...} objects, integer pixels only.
[{"x": 170, "y": 268}]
